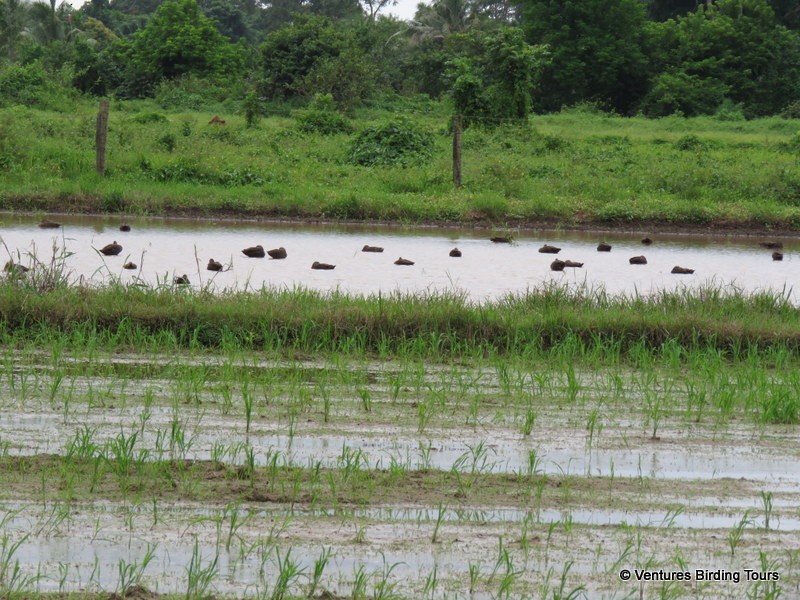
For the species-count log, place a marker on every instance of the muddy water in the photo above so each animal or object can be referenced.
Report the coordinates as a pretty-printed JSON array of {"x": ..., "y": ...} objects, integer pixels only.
[
  {"x": 83, "y": 546},
  {"x": 557, "y": 450},
  {"x": 163, "y": 249}
]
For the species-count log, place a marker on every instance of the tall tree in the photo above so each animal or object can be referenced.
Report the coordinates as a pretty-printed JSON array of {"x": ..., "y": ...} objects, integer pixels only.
[
  {"x": 442, "y": 18},
  {"x": 180, "y": 40},
  {"x": 15, "y": 17},
  {"x": 734, "y": 47},
  {"x": 597, "y": 51},
  {"x": 494, "y": 79},
  {"x": 48, "y": 22},
  {"x": 316, "y": 55}
]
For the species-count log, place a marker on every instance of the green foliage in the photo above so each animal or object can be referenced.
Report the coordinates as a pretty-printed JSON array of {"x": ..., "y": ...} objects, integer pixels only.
[
  {"x": 597, "y": 51},
  {"x": 10, "y": 148},
  {"x": 322, "y": 117},
  {"x": 683, "y": 94},
  {"x": 168, "y": 141},
  {"x": 733, "y": 49},
  {"x": 179, "y": 40},
  {"x": 172, "y": 96},
  {"x": 398, "y": 142},
  {"x": 690, "y": 142},
  {"x": 252, "y": 109},
  {"x": 729, "y": 111},
  {"x": 149, "y": 117},
  {"x": 29, "y": 85},
  {"x": 792, "y": 110},
  {"x": 314, "y": 55},
  {"x": 494, "y": 81}
]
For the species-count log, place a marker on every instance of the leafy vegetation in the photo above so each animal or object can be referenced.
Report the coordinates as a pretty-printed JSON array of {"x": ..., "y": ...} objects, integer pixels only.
[
  {"x": 703, "y": 171},
  {"x": 397, "y": 143},
  {"x": 493, "y": 58}
]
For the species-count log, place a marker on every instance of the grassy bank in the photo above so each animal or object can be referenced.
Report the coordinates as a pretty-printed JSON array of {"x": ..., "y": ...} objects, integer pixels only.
[
  {"x": 587, "y": 325},
  {"x": 573, "y": 168}
]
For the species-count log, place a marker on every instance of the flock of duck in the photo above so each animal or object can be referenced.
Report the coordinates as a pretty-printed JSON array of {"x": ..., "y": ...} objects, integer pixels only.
[{"x": 114, "y": 249}]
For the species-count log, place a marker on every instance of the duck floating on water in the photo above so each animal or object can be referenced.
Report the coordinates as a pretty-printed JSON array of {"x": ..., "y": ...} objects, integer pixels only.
[
  {"x": 676, "y": 270},
  {"x": 603, "y": 247},
  {"x": 255, "y": 251},
  {"x": 124, "y": 227},
  {"x": 277, "y": 253},
  {"x": 49, "y": 225},
  {"x": 455, "y": 253},
  {"x": 182, "y": 280},
  {"x": 547, "y": 249},
  {"x": 647, "y": 241},
  {"x": 404, "y": 262},
  {"x": 777, "y": 255},
  {"x": 112, "y": 249},
  {"x": 213, "y": 265},
  {"x": 368, "y": 248},
  {"x": 130, "y": 266},
  {"x": 638, "y": 260},
  {"x": 500, "y": 239},
  {"x": 320, "y": 266}
]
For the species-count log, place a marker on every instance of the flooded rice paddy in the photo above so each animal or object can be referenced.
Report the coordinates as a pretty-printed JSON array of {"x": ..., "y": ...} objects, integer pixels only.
[
  {"x": 541, "y": 479},
  {"x": 164, "y": 249},
  {"x": 227, "y": 474}
]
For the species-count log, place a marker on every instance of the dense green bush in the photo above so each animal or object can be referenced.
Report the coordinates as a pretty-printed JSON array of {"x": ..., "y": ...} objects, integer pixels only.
[
  {"x": 398, "y": 142},
  {"x": 29, "y": 85},
  {"x": 322, "y": 117}
]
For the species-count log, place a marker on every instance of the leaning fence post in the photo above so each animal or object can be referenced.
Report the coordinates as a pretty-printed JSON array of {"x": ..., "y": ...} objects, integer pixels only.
[
  {"x": 457, "y": 150},
  {"x": 100, "y": 137}
]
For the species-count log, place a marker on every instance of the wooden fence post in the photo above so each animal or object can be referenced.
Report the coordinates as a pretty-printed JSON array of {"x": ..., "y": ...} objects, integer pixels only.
[
  {"x": 457, "y": 150},
  {"x": 100, "y": 137}
]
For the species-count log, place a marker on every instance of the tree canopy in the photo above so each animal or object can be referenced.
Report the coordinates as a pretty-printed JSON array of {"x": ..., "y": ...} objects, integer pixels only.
[{"x": 492, "y": 58}]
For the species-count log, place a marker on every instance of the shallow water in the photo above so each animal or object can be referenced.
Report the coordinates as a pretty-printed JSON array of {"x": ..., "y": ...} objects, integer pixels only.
[
  {"x": 85, "y": 546},
  {"x": 165, "y": 248},
  {"x": 681, "y": 456}
]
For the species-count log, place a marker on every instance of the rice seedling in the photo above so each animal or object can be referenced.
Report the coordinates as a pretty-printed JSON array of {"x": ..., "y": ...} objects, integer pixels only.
[
  {"x": 431, "y": 582},
  {"x": 13, "y": 581},
  {"x": 766, "y": 501},
  {"x": 320, "y": 564},
  {"x": 289, "y": 574},
  {"x": 63, "y": 574},
  {"x": 735, "y": 534},
  {"x": 360, "y": 581},
  {"x": 130, "y": 574},
  {"x": 441, "y": 512},
  {"x": 529, "y": 420},
  {"x": 200, "y": 574}
]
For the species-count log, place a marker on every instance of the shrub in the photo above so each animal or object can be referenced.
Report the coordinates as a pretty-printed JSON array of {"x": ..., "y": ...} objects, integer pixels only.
[
  {"x": 730, "y": 111},
  {"x": 398, "y": 143},
  {"x": 322, "y": 117},
  {"x": 690, "y": 142},
  {"x": 323, "y": 122},
  {"x": 28, "y": 85},
  {"x": 792, "y": 110},
  {"x": 149, "y": 117},
  {"x": 168, "y": 142}
]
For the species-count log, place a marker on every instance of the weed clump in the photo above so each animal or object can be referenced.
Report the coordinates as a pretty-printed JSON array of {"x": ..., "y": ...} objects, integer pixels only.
[
  {"x": 322, "y": 118},
  {"x": 690, "y": 142},
  {"x": 396, "y": 143}
]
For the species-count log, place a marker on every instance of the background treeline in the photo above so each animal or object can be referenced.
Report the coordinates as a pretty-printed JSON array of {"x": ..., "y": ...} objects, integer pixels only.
[{"x": 494, "y": 59}]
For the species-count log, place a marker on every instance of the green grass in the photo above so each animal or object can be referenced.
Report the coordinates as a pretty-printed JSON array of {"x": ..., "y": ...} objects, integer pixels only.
[
  {"x": 573, "y": 168},
  {"x": 583, "y": 324}
]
